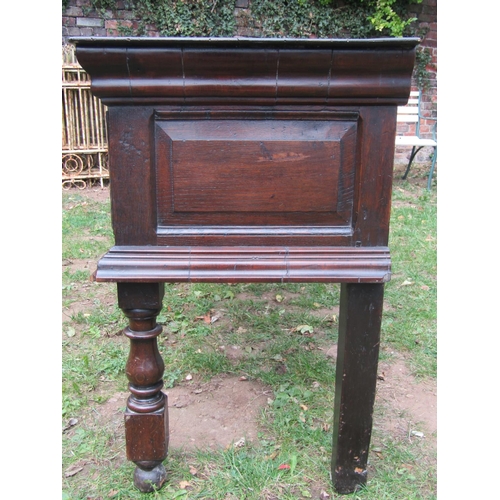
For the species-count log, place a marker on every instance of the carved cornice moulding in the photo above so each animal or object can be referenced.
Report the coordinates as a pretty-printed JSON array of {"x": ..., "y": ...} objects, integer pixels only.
[{"x": 258, "y": 71}]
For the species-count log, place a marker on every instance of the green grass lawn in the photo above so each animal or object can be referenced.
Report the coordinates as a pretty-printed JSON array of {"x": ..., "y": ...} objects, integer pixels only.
[{"x": 283, "y": 333}]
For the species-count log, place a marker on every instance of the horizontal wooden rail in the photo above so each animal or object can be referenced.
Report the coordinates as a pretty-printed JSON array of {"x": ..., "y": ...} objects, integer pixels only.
[{"x": 245, "y": 264}]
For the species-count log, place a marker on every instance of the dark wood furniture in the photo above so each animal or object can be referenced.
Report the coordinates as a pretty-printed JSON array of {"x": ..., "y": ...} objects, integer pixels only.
[{"x": 250, "y": 160}]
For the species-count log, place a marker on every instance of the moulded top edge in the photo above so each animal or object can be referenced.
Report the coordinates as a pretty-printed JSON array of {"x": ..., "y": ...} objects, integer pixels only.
[{"x": 201, "y": 42}]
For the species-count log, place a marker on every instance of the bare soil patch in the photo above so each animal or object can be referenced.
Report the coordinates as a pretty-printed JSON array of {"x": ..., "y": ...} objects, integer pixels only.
[
  {"x": 219, "y": 413},
  {"x": 410, "y": 405}
]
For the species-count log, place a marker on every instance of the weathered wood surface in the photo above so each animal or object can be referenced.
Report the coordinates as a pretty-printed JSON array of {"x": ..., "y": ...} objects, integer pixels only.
[
  {"x": 245, "y": 264},
  {"x": 248, "y": 71},
  {"x": 251, "y": 160}
]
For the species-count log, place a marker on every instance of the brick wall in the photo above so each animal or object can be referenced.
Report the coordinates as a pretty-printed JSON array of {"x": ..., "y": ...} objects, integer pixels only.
[
  {"x": 79, "y": 19},
  {"x": 426, "y": 13}
]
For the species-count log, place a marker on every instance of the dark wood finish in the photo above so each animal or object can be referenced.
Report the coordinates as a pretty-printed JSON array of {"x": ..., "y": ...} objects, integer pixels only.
[
  {"x": 146, "y": 416},
  {"x": 266, "y": 160},
  {"x": 245, "y": 264},
  {"x": 360, "y": 316}
]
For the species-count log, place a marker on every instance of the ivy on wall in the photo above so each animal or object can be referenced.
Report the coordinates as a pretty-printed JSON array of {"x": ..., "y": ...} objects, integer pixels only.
[
  {"x": 273, "y": 18},
  {"x": 186, "y": 18},
  {"x": 279, "y": 18},
  {"x": 333, "y": 18}
]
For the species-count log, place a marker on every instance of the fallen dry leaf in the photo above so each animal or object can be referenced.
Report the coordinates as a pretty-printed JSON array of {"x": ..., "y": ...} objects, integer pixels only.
[
  {"x": 304, "y": 329},
  {"x": 206, "y": 318},
  {"x": 71, "y": 423},
  {"x": 184, "y": 484},
  {"x": 71, "y": 471}
]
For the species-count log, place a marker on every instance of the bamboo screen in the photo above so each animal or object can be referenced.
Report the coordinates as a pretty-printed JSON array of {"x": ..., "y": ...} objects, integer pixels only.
[{"x": 84, "y": 136}]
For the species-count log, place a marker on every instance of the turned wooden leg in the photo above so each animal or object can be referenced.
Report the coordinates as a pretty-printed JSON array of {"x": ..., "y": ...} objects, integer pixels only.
[
  {"x": 356, "y": 376},
  {"x": 146, "y": 416}
]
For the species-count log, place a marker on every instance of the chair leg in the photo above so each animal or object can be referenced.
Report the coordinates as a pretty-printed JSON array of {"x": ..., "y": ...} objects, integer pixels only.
[
  {"x": 414, "y": 152},
  {"x": 431, "y": 171}
]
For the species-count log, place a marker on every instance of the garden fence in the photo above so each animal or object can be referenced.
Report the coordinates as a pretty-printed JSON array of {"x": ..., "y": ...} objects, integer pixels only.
[{"x": 84, "y": 134}]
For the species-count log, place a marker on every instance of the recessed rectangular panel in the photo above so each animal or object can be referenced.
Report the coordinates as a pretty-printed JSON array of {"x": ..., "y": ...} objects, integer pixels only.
[
  {"x": 254, "y": 176},
  {"x": 256, "y": 173}
]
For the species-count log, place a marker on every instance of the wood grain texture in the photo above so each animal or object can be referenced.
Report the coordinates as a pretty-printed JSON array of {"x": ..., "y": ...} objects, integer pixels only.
[
  {"x": 245, "y": 264},
  {"x": 250, "y": 160},
  {"x": 360, "y": 317},
  {"x": 271, "y": 71},
  {"x": 146, "y": 415},
  {"x": 268, "y": 172},
  {"x": 132, "y": 175}
]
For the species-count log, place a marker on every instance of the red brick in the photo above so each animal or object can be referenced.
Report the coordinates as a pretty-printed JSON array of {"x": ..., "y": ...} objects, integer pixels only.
[
  {"x": 73, "y": 11},
  {"x": 431, "y": 35},
  {"x": 111, "y": 24},
  {"x": 68, "y": 21}
]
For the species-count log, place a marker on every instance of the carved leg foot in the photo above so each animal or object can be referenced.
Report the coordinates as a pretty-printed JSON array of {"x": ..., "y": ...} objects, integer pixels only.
[
  {"x": 146, "y": 416},
  {"x": 356, "y": 377},
  {"x": 149, "y": 477}
]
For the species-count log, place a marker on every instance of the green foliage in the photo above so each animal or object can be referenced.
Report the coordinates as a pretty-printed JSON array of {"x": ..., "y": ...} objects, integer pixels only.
[
  {"x": 312, "y": 18},
  {"x": 103, "y": 4},
  {"x": 275, "y": 18},
  {"x": 186, "y": 18},
  {"x": 423, "y": 58},
  {"x": 333, "y": 18},
  {"x": 389, "y": 15},
  {"x": 279, "y": 18}
]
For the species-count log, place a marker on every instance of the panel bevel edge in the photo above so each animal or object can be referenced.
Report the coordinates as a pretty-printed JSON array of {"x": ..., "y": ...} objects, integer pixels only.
[
  {"x": 244, "y": 113},
  {"x": 351, "y": 116}
]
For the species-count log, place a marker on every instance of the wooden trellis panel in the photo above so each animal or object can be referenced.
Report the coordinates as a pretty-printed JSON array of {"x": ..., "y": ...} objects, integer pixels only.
[{"x": 84, "y": 134}]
